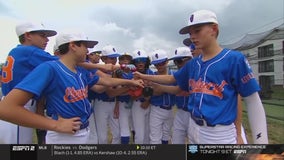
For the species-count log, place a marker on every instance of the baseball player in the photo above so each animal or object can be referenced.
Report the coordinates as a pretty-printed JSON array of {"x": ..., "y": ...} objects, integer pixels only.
[
  {"x": 180, "y": 125},
  {"x": 161, "y": 114},
  {"x": 20, "y": 61},
  {"x": 65, "y": 86},
  {"x": 241, "y": 136},
  {"x": 141, "y": 104},
  {"x": 105, "y": 104},
  {"x": 123, "y": 103},
  {"x": 93, "y": 56},
  {"x": 214, "y": 88}
]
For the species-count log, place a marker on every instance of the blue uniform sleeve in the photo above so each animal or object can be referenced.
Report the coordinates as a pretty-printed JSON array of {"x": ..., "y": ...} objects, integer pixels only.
[
  {"x": 182, "y": 76},
  {"x": 37, "y": 80},
  {"x": 90, "y": 76},
  {"x": 39, "y": 56},
  {"x": 245, "y": 82}
]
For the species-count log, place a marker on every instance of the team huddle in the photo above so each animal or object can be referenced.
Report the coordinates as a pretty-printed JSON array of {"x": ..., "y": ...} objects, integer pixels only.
[{"x": 70, "y": 98}]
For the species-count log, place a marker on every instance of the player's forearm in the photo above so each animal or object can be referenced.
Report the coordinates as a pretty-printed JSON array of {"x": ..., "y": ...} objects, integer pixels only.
[
  {"x": 163, "y": 79},
  {"x": 113, "y": 92},
  {"x": 257, "y": 119},
  {"x": 104, "y": 67},
  {"x": 99, "y": 88},
  {"x": 26, "y": 118}
]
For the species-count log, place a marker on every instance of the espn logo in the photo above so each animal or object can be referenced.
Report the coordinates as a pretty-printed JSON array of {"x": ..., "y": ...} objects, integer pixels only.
[{"x": 23, "y": 148}]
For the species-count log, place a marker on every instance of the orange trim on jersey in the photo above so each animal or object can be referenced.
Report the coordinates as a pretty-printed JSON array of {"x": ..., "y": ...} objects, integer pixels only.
[
  {"x": 7, "y": 70},
  {"x": 207, "y": 88},
  {"x": 73, "y": 95}
]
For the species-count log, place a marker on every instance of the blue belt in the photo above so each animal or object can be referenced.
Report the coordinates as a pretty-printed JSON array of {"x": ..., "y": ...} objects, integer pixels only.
[
  {"x": 85, "y": 125},
  {"x": 165, "y": 107},
  {"x": 200, "y": 121}
]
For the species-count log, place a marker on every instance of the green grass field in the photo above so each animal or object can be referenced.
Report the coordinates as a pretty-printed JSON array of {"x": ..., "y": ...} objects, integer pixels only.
[{"x": 275, "y": 123}]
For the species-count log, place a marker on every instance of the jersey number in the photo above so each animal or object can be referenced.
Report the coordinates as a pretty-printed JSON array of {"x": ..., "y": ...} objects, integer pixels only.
[{"x": 7, "y": 70}]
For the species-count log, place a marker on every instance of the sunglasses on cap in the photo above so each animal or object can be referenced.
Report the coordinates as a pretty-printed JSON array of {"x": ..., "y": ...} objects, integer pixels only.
[
  {"x": 181, "y": 60},
  {"x": 95, "y": 53},
  {"x": 160, "y": 64},
  {"x": 143, "y": 60}
]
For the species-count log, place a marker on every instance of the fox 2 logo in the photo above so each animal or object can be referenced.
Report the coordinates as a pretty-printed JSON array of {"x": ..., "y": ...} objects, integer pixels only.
[{"x": 23, "y": 148}]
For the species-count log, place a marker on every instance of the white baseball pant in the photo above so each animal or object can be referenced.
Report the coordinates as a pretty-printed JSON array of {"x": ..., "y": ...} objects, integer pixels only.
[
  {"x": 80, "y": 137},
  {"x": 140, "y": 117},
  {"x": 14, "y": 134},
  {"x": 219, "y": 134},
  {"x": 124, "y": 117},
  {"x": 161, "y": 121},
  {"x": 93, "y": 136},
  {"x": 180, "y": 127},
  {"x": 104, "y": 116}
]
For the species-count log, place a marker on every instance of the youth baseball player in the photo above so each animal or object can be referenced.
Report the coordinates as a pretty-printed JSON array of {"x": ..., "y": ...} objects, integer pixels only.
[
  {"x": 104, "y": 105},
  {"x": 93, "y": 56},
  {"x": 180, "y": 125},
  {"x": 161, "y": 114},
  {"x": 141, "y": 104},
  {"x": 214, "y": 88},
  {"x": 241, "y": 136},
  {"x": 22, "y": 60},
  {"x": 123, "y": 101}
]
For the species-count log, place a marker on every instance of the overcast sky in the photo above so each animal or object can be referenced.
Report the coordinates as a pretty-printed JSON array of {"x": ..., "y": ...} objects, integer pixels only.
[{"x": 132, "y": 24}]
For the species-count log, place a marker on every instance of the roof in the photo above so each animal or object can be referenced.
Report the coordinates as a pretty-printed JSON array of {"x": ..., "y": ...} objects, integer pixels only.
[{"x": 251, "y": 40}]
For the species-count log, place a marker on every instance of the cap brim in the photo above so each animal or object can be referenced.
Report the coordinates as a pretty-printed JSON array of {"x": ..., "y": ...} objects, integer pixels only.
[
  {"x": 90, "y": 44},
  {"x": 184, "y": 30},
  {"x": 48, "y": 33},
  {"x": 187, "y": 42},
  {"x": 125, "y": 55},
  {"x": 113, "y": 55},
  {"x": 178, "y": 57},
  {"x": 159, "y": 61}
]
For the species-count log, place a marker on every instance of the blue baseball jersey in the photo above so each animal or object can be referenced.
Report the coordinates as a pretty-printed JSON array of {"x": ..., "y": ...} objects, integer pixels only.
[
  {"x": 20, "y": 62},
  {"x": 125, "y": 98},
  {"x": 104, "y": 97},
  {"x": 92, "y": 94},
  {"x": 165, "y": 99},
  {"x": 65, "y": 91},
  {"x": 215, "y": 84},
  {"x": 181, "y": 99}
]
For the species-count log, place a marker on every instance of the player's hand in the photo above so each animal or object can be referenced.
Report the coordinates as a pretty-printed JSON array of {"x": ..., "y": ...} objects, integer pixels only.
[
  {"x": 70, "y": 125},
  {"x": 110, "y": 67},
  {"x": 137, "y": 75},
  {"x": 138, "y": 83}
]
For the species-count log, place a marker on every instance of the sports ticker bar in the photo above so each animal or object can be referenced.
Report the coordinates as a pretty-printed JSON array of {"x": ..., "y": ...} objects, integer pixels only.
[{"x": 140, "y": 152}]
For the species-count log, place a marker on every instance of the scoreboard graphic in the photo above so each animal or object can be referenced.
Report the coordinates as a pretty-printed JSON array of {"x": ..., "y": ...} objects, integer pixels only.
[{"x": 142, "y": 152}]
